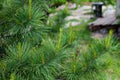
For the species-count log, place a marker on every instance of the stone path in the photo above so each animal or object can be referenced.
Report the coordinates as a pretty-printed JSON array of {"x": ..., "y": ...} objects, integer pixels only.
[{"x": 78, "y": 16}]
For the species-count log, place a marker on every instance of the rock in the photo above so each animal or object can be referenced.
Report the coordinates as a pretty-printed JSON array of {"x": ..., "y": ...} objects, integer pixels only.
[
  {"x": 53, "y": 14},
  {"x": 81, "y": 10},
  {"x": 70, "y": 6},
  {"x": 104, "y": 8},
  {"x": 110, "y": 10},
  {"x": 72, "y": 18},
  {"x": 73, "y": 23},
  {"x": 60, "y": 7},
  {"x": 104, "y": 31},
  {"x": 97, "y": 35}
]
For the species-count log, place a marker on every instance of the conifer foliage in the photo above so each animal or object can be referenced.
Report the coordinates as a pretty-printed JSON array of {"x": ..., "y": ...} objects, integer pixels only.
[
  {"x": 38, "y": 47},
  {"x": 22, "y": 20}
]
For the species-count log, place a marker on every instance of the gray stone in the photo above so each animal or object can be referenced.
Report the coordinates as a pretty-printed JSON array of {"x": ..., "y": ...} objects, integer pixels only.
[
  {"x": 96, "y": 35},
  {"x": 110, "y": 10}
]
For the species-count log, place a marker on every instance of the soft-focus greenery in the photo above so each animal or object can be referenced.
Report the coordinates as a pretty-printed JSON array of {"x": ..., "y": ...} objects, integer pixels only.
[
  {"x": 59, "y": 2},
  {"x": 34, "y": 46}
]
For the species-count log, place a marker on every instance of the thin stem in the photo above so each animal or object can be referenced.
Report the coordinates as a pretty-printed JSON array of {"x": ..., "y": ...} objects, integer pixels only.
[
  {"x": 59, "y": 40},
  {"x": 71, "y": 34},
  {"x": 19, "y": 51},
  {"x": 29, "y": 8}
]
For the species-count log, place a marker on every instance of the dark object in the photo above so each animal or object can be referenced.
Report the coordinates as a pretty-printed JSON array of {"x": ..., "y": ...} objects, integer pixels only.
[
  {"x": 2, "y": 52},
  {"x": 97, "y": 8}
]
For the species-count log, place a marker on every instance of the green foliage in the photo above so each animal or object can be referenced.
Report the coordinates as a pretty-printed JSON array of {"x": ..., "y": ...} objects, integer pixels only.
[
  {"x": 71, "y": 34},
  {"x": 55, "y": 3},
  {"x": 22, "y": 21},
  {"x": 58, "y": 21},
  {"x": 54, "y": 59},
  {"x": 32, "y": 63},
  {"x": 90, "y": 63},
  {"x": 35, "y": 51}
]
